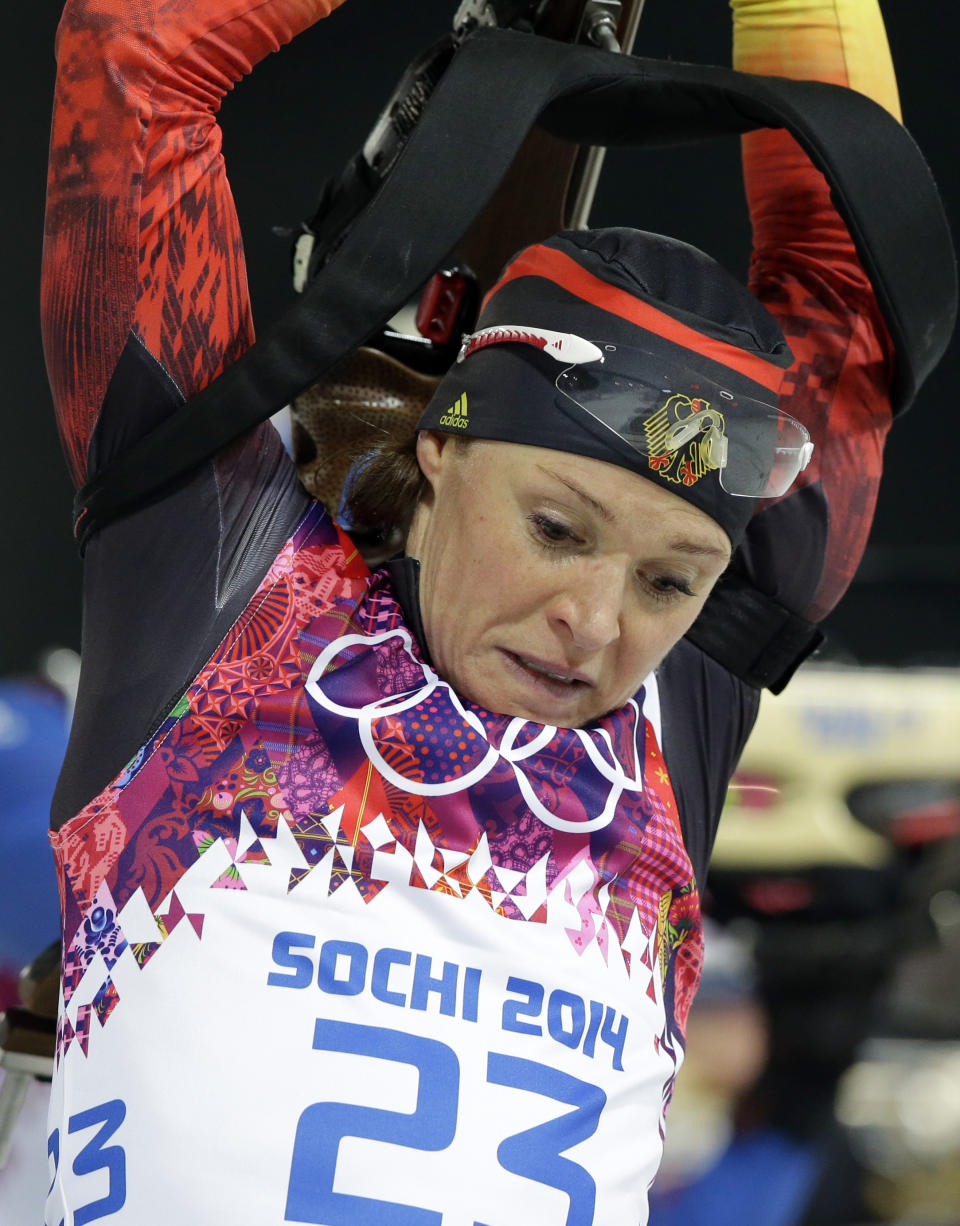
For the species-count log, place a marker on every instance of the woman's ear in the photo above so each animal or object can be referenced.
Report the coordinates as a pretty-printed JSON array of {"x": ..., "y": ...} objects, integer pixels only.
[{"x": 433, "y": 452}]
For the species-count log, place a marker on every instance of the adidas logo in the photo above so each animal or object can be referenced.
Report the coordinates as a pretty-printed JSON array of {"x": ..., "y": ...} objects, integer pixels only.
[{"x": 457, "y": 418}]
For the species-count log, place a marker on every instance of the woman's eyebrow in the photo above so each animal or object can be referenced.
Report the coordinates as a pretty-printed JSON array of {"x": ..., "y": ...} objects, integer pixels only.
[
  {"x": 685, "y": 545},
  {"x": 591, "y": 502}
]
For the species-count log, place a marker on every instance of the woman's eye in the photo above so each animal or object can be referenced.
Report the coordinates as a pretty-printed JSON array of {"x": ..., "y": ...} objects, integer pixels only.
[
  {"x": 552, "y": 531},
  {"x": 665, "y": 586}
]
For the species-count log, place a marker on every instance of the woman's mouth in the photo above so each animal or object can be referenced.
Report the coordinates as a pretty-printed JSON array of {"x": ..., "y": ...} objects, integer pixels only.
[{"x": 555, "y": 679}]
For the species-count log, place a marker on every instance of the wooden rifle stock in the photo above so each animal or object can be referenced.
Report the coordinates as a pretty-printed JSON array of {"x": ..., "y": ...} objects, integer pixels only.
[{"x": 550, "y": 184}]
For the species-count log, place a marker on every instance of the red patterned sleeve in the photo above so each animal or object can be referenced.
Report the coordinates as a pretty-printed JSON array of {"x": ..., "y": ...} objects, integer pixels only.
[
  {"x": 141, "y": 236},
  {"x": 806, "y": 271}
]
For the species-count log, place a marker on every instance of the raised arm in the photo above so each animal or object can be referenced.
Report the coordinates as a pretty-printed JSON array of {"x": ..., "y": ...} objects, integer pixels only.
[
  {"x": 142, "y": 245},
  {"x": 804, "y": 550}
]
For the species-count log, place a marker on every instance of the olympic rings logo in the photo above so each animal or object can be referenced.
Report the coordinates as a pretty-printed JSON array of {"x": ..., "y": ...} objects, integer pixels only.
[{"x": 596, "y": 742}]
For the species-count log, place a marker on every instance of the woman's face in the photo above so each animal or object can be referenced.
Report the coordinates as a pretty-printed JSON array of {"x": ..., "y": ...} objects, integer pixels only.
[{"x": 551, "y": 584}]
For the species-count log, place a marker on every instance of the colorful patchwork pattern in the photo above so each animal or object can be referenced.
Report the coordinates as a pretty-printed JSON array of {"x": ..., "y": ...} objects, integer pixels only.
[{"x": 326, "y": 728}]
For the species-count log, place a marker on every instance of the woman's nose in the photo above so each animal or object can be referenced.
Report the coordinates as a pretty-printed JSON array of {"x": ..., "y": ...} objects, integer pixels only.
[{"x": 588, "y": 608}]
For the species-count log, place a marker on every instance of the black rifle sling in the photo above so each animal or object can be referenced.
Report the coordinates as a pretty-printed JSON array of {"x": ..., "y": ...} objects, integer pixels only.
[{"x": 498, "y": 86}]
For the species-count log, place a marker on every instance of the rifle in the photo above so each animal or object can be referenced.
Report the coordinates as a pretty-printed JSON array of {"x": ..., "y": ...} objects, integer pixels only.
[
  {"x": 549, "y": 186},
  {"x": 383, "y": 387}
]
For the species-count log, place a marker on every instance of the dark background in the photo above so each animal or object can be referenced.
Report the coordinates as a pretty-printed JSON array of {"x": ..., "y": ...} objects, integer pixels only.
[{"x": 297, "y": 119}]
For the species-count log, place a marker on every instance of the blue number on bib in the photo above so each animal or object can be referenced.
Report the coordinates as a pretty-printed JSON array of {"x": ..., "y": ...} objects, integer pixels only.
[
  {"x": 536, "y": 1152},
  {"x": 53, "y": 1151},
  {"x": 321, "y": 1127},
  {"x": 95, "y": 1157}
]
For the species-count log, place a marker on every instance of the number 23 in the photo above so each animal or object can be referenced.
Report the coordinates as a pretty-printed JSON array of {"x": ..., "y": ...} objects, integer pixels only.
[{"x": 533, "y": 1154}]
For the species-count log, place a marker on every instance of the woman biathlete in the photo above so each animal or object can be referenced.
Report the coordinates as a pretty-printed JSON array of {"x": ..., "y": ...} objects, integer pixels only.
[{"x": 380, "y": 889}]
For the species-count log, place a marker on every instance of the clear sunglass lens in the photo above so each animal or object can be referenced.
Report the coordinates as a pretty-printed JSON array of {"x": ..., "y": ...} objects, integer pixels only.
[{"x": 688, "y": 425}]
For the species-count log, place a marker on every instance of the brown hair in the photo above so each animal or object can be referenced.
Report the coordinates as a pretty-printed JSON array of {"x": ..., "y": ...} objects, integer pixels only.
[
  {"x": 360, "y": 419},
  {"x": 383, "y": 491}
]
